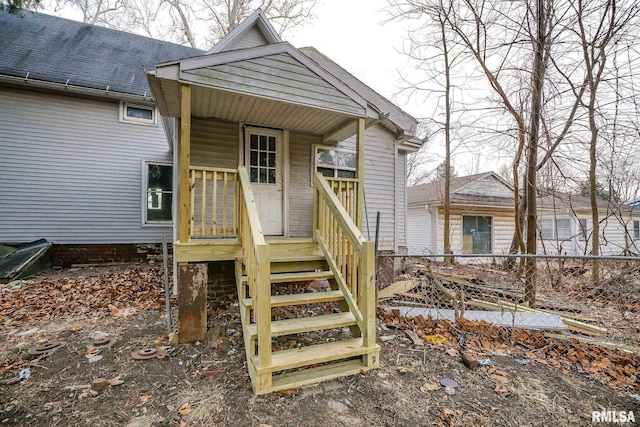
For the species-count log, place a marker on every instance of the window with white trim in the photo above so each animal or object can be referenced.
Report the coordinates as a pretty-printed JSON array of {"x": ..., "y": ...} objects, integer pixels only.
[
  {"x": 559, "y": 228},
  {"x": 158, "y": 192},
  {"x": 636, "y": 230},
  {"x": 334, "y": 162},
  {"x": 135, "y": 113}
]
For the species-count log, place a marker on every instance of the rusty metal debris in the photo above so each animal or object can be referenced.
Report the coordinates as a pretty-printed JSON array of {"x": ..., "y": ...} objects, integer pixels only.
[
  {"x": 45, "y": 348},
  {"x": 144, "y": 354},
  {"x": 103, "y": 342}
]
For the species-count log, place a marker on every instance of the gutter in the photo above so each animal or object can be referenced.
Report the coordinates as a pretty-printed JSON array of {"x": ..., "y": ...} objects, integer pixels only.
[{"x": 75, "y": 90}]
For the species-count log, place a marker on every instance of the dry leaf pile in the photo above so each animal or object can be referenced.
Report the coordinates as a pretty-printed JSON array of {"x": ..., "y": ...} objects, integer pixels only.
[
  {"x": 119, "y": 293},
  {"x": 617, "y": 368}
]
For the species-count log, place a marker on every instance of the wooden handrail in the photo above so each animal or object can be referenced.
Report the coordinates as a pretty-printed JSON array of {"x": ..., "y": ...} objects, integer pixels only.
[
  {"x": 350, "y": 257},
  {"x": 258, "y": 266},
  {"x": 341, "y": 215},
  {"x": 252, "y": 209}
]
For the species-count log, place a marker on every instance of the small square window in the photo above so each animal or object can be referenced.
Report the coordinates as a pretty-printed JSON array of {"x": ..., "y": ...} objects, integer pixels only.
[{"x": 134, "y": 113}]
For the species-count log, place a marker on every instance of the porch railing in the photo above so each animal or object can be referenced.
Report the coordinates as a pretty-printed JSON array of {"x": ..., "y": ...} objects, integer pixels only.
[
  {"x": 350, "y": 257},
  {"x": 257, "y": 267},
  {"x": 346, "y": 189},
  {"x": 214, "y": 202}
]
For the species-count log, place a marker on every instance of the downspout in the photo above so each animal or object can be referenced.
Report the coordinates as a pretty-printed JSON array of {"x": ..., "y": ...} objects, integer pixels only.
[
  {"x": 174, "y": 204},
  {"x": 395, "y": 192}
]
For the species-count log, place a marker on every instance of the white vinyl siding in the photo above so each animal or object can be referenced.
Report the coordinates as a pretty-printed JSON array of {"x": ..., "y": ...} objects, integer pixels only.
[
  {"x": 71, "y": 173},
  {"x": 502, "y": 229},
  {"x": 401, "y": 199},
  {"x": 252, "y": 38},
  {"x": 420, "y": 238},
  {"x": 379, "y": 185},
  {"x": 300, "y": 190},
  {"x": 214, "y": 143}
]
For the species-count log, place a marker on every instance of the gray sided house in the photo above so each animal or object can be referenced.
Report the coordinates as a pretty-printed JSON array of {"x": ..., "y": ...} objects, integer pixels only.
[
  {"x": 482, "y": 220},
  {"x": 270, "y": 162},
  {"x": 282, "y": 160},
  {"x": 83, "y": 148}
]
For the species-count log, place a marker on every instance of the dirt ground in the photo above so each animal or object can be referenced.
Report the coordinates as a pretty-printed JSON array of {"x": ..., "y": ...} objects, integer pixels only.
[{"x": 206, "y": 383}]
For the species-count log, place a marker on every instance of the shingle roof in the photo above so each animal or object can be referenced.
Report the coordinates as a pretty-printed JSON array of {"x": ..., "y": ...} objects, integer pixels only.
[
  {"x": 434, "y": 191},
  {"x": 59, "y": 50},
  {"x": 547, "y": 199}
]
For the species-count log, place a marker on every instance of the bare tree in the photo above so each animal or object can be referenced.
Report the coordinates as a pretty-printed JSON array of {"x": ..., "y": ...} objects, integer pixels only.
[
  {"x": 599, "y": 26},
  {"x": 198, "y": 23},
  {"x": 436, "y": 55}
]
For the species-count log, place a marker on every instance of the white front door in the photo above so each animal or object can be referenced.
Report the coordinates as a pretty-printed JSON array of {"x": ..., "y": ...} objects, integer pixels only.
[{"x": 263, "y": 158}]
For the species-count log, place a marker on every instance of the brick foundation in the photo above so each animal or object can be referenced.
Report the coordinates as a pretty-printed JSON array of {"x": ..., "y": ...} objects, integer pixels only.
[
  {"x": 222, "y": 279},
  {"x": 68, "y": 255}
]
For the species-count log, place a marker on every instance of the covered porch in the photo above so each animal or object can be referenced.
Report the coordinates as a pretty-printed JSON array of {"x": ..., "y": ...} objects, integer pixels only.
[{"x": 250, "y": 124}]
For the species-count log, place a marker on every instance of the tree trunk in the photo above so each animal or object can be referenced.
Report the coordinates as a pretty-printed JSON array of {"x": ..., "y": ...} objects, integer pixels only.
[
  {"x": 532, "y": 159},
  {"x": 447, "y": 138}
]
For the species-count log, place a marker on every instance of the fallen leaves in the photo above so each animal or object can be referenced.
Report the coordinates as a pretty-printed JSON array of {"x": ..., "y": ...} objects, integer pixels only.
[
  {"x": 119, "y": 294},
  {"x": 115, "y": 381},
  {"x": 618, "y": 368},
  {"x": 185, "y": 409},
  {"x": 502, "y": 390},
  {"x": 427, "y": 387}
]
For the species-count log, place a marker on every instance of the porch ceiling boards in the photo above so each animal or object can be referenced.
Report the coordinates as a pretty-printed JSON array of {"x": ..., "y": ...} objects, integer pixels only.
[{"x": 271, "y": 85}]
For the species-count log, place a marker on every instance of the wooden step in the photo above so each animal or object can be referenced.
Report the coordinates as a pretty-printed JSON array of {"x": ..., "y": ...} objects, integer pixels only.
[
  {"x": 305, "y": 324},
  {"x": 313, "y": 355},
  {"x": 297, "y": 258},
  {"x": 300, "y": 299},
  {"x": 302, "y": 276},
  {"x": 314, "y": 375}
]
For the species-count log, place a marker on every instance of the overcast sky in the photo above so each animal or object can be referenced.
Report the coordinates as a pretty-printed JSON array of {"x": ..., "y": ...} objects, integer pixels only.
[{"x": 351, "y": 33}]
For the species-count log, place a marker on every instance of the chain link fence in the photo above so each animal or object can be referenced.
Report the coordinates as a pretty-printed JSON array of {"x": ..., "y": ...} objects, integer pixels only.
[{"x": 481, "y": 303}]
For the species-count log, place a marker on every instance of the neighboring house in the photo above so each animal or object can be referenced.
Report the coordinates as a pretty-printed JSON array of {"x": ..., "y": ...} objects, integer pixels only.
[
  {"x": 282, "y": 160},
  {"x": 482, "y": 220},
  {"x": 565, "y": 225},
  {"x": 84, "y": 156},
  {"x": 481, "y": 215}
]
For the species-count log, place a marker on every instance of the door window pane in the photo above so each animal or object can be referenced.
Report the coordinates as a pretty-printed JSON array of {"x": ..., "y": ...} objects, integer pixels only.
[{"x": 262, "y": 159}]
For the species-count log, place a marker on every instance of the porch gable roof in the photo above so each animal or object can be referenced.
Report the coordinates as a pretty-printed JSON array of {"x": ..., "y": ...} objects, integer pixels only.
[{"x": 272, "y": 85}]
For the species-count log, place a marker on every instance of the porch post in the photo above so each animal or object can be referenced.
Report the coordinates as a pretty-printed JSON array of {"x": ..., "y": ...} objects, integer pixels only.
[
  {"x": 360, "y": 173},
  {"x": 185, "y": 160}
]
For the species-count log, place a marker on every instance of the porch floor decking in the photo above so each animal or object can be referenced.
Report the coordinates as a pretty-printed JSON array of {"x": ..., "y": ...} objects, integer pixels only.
[{"x": 230, "y": 249}]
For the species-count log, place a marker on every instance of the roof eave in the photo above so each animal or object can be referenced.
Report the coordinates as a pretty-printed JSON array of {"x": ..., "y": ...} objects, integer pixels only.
[{"x": 62, "y": 88}]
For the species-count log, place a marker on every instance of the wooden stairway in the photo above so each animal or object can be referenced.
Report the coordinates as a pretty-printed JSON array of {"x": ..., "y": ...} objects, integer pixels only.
[{"x": 302, "y": 261}]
